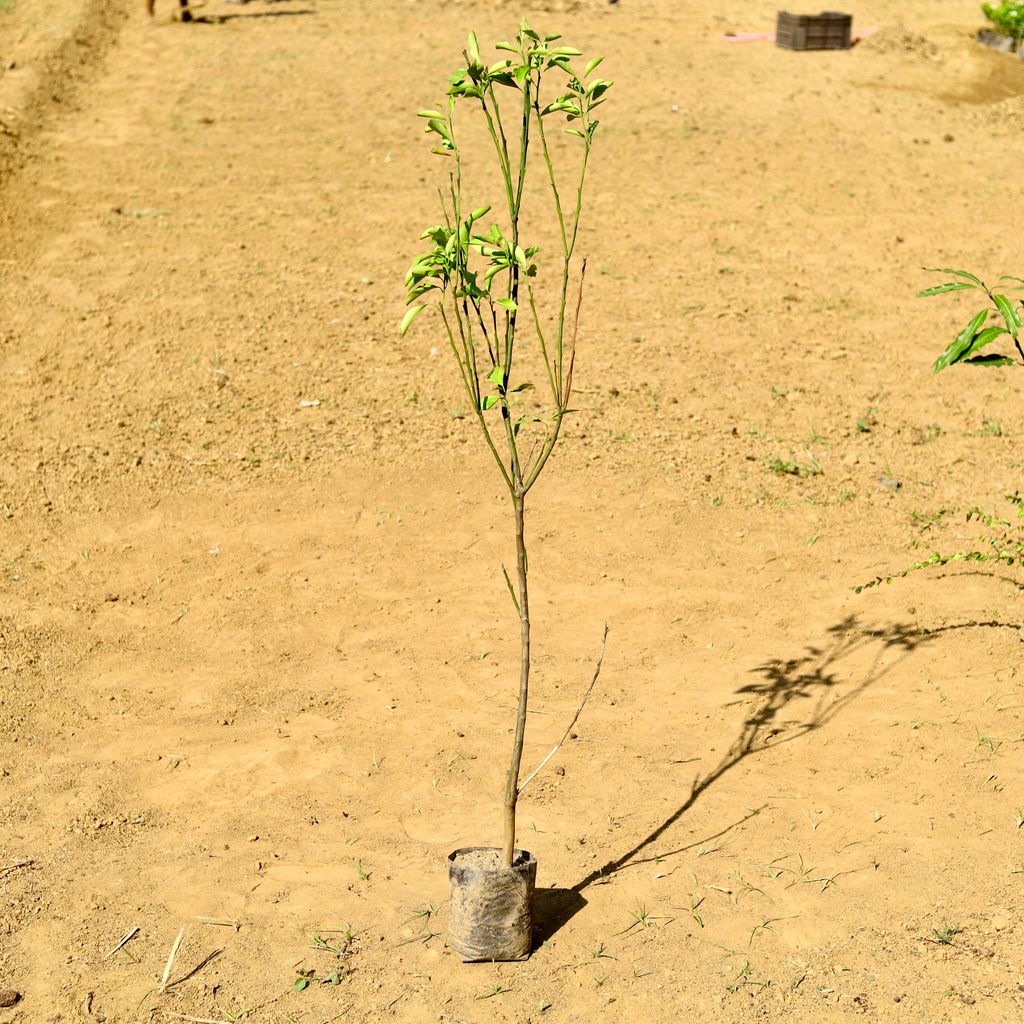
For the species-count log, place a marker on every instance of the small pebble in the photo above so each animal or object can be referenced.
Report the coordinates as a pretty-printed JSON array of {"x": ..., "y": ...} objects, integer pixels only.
[{"x": 8, "y": 997}]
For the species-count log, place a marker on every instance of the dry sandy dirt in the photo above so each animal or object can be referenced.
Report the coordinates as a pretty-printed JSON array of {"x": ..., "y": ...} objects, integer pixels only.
[{"x": 257, "y": 660}]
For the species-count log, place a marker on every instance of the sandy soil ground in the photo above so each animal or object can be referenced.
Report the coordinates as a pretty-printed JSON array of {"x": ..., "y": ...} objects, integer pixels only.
[{"x": 257, "y": 660}]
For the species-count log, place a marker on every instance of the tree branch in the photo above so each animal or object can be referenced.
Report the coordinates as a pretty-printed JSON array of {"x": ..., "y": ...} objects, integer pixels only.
[{"x": 579, "y": 710}]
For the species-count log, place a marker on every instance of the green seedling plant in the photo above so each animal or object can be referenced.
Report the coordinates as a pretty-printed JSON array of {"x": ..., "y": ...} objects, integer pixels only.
[
  {"x": 789, "y": 467},
  {"x": 494, "y": 990},
  {"x": 483, "y": 282},
  {"x": 944, "y": 936},
  {"x": 1003, "y": 540}
]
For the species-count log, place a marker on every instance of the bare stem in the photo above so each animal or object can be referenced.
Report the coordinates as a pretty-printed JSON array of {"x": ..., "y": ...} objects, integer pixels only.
[{"x": 512, "y": 781}]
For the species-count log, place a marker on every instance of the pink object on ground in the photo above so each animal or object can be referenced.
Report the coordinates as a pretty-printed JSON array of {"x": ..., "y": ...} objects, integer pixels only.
[{"x": 746, "y": 37}]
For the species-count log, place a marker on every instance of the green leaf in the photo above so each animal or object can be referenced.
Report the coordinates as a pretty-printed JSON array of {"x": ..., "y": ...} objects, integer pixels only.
[
  {"x": 497, "y": 375},
  {"x": 410, "y": 314},
  {"x": 522, "y": 387},
  {"x": 301, "y": 984},
  {"x": 566, "y": 51},
  {"x": 420, "y": 290},
  {"x": 1007, "y": 277},
  {"x": 508, "y": 304},
  {"x": 983, "y": 338},
  {"x": 479, "y": 212},
  {"x": 436, "y": 114},
  {"x": 510, "y": 47},
  {"x": 940, "y": 289},
  {"x": 500, "y": 66},
  {"x": 1009, "y": 314},
  {"x": 474, "y": 48},
  {"x": 496, "y": 268},
  {"x": 438, "y": 126},
  {"x": 488, "y": 401},
  {"x": 520, "y": 256},
  {"x": 591, "y": 64},
  {"x": 958, "y": 346},
  {"x": 993, "y": 359},
  {"x": 956, "y": 273}
]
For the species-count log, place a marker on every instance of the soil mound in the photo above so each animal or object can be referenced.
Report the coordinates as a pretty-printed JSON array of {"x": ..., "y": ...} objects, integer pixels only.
[{"x": 898, "y": 39}]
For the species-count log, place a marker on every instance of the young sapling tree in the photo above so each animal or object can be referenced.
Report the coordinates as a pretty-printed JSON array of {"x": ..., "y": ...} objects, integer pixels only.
[
  {"x": 1001, "y": 319},
  {"x": 483, "y": 282}
]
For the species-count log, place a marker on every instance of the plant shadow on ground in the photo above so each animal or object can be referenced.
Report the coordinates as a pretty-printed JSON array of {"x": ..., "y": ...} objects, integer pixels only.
[
  {"x": 781, "y": 682},
  {"x": 554, "y": 908},
  {"x": 998, "y": 577}
]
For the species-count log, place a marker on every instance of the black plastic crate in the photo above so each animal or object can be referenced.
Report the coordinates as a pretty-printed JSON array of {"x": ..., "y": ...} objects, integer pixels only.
[{"x": 829, "y": 30}]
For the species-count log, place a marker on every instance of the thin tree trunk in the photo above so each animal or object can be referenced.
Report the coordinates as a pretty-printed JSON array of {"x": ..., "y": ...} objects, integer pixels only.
[{"x": 512, "y": 781}]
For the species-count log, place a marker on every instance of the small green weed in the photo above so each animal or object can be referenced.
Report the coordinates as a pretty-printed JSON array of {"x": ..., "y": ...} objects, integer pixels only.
[
  {"x": 642, "y": 918},
  {"x": 319, "y": 942},
  {"x": 944, "y": 936},
  {"x": 989, "y": 743},
  {"x": 789, "y": 467},
  {"x": 868, "y": 420},
  {"x": 693, "y": 908},
  {"x": 494, "y": 990},
  {"x": 744, "y": 978},
  {"x": 926, "y": 521}
]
